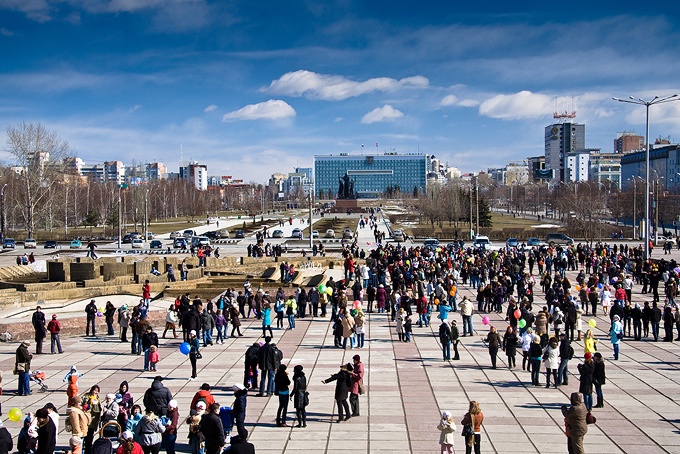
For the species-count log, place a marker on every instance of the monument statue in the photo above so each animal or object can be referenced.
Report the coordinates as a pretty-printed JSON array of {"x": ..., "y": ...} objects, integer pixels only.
[{"x": 346, "y": 187}]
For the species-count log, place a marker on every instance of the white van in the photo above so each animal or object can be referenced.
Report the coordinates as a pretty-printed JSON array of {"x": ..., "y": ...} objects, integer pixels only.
[{"x": 482, "y": 242}]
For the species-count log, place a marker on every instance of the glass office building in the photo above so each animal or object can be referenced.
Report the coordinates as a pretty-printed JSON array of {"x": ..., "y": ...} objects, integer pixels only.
[{"x": 371, "y": 174}]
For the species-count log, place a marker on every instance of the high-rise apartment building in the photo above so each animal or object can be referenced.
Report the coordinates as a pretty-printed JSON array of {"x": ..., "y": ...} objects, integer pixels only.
[
  {"x": 560, "y": 139},
  {"x": 627, "y": 142}
]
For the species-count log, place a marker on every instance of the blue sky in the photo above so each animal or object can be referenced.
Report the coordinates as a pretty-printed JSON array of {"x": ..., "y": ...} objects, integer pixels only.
[{"x": 253, "y": 88}]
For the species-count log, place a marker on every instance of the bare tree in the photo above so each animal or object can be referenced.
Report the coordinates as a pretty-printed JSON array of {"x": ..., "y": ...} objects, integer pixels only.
[{"x": 39, "y": 155}]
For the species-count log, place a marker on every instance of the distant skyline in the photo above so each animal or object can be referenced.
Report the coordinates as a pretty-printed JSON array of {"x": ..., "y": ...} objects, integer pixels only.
[{"x": 255, "y": 88}]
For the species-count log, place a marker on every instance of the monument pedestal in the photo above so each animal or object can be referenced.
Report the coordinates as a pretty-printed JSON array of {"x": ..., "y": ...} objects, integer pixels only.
[{"x": 346, "y": 205}]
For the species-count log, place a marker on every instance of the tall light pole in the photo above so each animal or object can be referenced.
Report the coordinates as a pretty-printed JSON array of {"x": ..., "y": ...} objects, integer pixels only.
[
  {"x": 2, "y": 209},
  {"x": 647, "y": 104}
]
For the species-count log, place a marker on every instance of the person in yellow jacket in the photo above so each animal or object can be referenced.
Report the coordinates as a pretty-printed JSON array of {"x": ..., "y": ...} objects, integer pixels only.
[
  {"x": 589, "y": 343},
  {"x": 291, "y": 308}
]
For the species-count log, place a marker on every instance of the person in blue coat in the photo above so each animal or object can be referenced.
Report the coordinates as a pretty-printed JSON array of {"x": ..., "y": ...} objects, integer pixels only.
[
  {"x": 444, "y": 310},
  {"x": 267, "y": 319},
  {"x": 616, "y": 334}
]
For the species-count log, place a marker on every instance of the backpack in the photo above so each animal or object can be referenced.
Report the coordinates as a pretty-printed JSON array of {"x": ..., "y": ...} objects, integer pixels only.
[
  {"x": 571, "y": 352},
  {"x": 289, "y": 310}
]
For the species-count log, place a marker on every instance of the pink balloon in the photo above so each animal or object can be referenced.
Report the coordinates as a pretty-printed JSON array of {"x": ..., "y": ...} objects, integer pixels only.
[{"x": 485, "y": 320}]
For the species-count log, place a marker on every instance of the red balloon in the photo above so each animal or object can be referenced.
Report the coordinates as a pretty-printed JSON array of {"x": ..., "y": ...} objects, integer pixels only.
[{"x": 518, "y": 314}]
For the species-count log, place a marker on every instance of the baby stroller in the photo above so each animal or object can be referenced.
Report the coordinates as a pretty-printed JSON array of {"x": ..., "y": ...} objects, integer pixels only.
[
  {"x": 38, "y": 376},
  {"x": 109, "y": 439}
]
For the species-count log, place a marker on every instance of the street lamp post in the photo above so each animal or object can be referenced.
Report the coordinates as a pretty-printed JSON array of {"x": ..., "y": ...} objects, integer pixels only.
[{"x": 647, "y": 104}]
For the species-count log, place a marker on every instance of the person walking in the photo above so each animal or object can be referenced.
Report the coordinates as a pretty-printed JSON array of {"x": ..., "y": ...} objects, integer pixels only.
[
  {"x": 343, "y": 383},
  {"x": 494, "y": 341},
  {"x": 447, "y": 428},
  {"x": 38, "y": 321},
  {"x": 54, "y": 327},
  {"x": 109, "y": 312},
  {"x": 655, "y": 320},
  {"x": 474, "y": 417},
  {"x": 575, "y": 422},
  {"x": 171, "y": 321},
  {"x": 616, "y": 334},
  {"x": 455, "y": 340},
  {"x": 235, "y": 321},
  {"x": 22, "y": 366},
  {"x": 445, "y": 339},
  {"x": 124, "y": 322},
  {"x": 510, "y": 341},
  {"x": 357, "y": 384},
  {"x": 300, "y": 396},
  {"x": 194, "y": 352},
  {"x": 281, "y": 389}
]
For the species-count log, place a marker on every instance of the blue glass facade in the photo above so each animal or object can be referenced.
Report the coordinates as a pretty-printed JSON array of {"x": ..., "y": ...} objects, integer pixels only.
[{"x": 371, "y": 174}]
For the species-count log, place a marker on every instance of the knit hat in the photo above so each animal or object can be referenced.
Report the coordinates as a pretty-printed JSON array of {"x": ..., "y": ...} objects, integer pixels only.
[
  {"x": 238, "y": 387},
  {"x": 54, "y": 316},
  {"x": 127, "y": 435},
  {"x": 588, "y": 355}
]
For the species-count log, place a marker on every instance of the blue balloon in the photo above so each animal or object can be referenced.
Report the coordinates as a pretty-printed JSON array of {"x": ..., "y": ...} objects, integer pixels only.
[
  {"x": 599, "y": 286},
  {"x": 185, "y": 348}
]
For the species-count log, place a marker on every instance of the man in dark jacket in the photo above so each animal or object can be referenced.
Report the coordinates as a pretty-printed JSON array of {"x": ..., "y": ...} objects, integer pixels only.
[
  {"x": 23, "y": 366},
  {"x": 566, "y": 353},
  {"x": 575, "y": 420},
  {"x": 46, "y": 432},
  {"x": 445, "y": 339},
  {"x": 241, "y": 446},
  {"x": 343, "y": 383},
  {"x": 212, "y": 430},
  {"x": 91, "y": 312},
  {"x": 251, "y": 360},
  {"x": 191, "y": 321},
  {"x": 6, "y": 441},
  {"x": 156, "y": 398},
  {"x": 38, "y": 322},
  {"x": 149, "y": 338},
  {"x": 655, "y": 320},
  {"x": 269, "y": 359}
]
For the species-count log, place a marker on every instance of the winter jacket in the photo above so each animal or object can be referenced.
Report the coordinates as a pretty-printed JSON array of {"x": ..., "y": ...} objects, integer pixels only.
[
  {"x": 447, "y": 429},
  {"x": 239, "y": 406},
  {"x": 156, "y": 398},
  {"x": 586, "y": 371},
  {"x": 347, "y": 325},
  {"x": 342, "y": 385},
  {"x": 211, "y": 427},
  {"x": 269, "y": 357},
  {"x": 575, "y": 416},
  {"x": 299, "y": 390},
  {"x": 553, "y": 360},
  {"x": 357, "y": 376},
  {"x": 149, "y": 431},
  {"x": 79, "y": 421}
]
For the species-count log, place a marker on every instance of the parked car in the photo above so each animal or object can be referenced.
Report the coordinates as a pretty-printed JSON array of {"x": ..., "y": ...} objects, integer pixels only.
[
  {"x": 398, "y": 235},
  {"x": 9, "y": 243},
  {"x": 277, "y": 234},
  {"x": 149, "y": 236},
  {"x": 297, "y": 233},
  {"x": 138, "y": 243},
  {"x": 197, "y": 241},
  {"x": 512, "y": 243},
  {"x": 559, "y": 238},
  {"x": 189, "y": 233},
  {"x": 240, "y": 234},
  {"x": 50, "y": 244},
  {"x": 482, "y": 242},
  {"x": 431, "y": 243},
  {"x": 330, "y": 233},
  {"x": 315, "y": 234},
  {"x": 180, "y": 243},
  {"x": 30, "y": 243},
  {"x": 135, "y": 235},
  {"x": 174, "y": 235},
  {"x": 127, "y": 238},
  {"x": 156, "y": 244},
  {"x": 76, "y": 244},
  {"x": 535, "y": 242}
]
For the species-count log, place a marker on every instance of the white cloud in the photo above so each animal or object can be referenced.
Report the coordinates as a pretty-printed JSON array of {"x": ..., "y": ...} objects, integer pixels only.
[
  {"x": 274, "y": 109},
  {"x": 210, "y": 108},
  {"x": 384, "y": 113},
  {"x": 37, "y": 10},
  {"x": 448, "y": 100},
  {"x": 522, "y": 105},
  {"x": 134, "y": 108},
  {"x": 6, "y": 32},
  {"x": 335, "y": 88},
  {"x": 468, "y": 103}
]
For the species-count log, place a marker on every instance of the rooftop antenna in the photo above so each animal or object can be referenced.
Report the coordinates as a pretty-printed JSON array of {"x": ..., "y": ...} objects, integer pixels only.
[{"x": 564, "y": 114}]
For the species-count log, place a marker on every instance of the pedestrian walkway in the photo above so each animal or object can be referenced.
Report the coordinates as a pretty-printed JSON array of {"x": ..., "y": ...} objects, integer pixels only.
[{"x": 408, "y": 385}]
